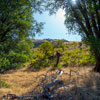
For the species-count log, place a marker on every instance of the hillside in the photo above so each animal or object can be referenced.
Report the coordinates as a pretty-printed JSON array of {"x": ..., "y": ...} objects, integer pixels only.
[
  {"x": 24, "y": 81},
  {"x": 38, "y": 42},
  {"x": 75, "y": 83}
]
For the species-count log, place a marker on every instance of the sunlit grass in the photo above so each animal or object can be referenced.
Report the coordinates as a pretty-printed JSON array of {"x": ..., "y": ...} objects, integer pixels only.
[{"x": 23, "y": 80}]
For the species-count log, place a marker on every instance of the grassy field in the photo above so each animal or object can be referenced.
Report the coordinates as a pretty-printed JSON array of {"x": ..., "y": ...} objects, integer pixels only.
[
  {"x": 79, "y": 81},
  {"x": 23, "y": 81}
]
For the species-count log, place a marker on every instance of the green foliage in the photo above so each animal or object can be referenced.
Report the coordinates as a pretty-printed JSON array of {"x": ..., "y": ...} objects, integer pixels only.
[
  {"x": 74, "y": 54},
  {"x": 60, "y": 50},
  {"x": 93, "y": 42},
  {"x": 78, "y": 57},
  {"x": 46, "y": 48},
  {"x": 45, "y": 54},
  {"x": 16, "y": 56},
  {"x": 3, "y": 84},
  {"x": 82, "y": 17},
  {"x": 41, "y": 57},
  {"x": 17, "y": 25},
  {"x": 59, "y": 44},
  {"x": 17, "y": 20},
  {"x": 4, "y": 63}
]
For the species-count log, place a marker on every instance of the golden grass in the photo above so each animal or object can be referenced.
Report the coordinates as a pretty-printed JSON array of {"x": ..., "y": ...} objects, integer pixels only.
[{"x": 23, "y": 81}]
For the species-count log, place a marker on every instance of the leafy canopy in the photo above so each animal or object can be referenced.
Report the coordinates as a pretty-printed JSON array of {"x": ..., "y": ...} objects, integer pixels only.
[
  {"x": 17, "y": 18},
  {"x": 82, "y": 17},
  {"x": 17, "y": 26}
]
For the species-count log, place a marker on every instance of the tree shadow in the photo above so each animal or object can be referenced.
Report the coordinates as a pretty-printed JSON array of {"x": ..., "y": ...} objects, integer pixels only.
[
  {"x": 74, "y": 87},
  {"x": 86, "y": 87}
]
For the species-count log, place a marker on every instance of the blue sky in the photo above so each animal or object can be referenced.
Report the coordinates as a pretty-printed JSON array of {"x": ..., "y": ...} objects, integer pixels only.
[{"x": 54, "y": 27}]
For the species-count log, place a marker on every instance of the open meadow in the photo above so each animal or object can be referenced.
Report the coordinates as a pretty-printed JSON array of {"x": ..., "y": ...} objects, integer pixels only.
[
  {"x": 70, "y": 78},
  {"x": 23, "y": 82}
]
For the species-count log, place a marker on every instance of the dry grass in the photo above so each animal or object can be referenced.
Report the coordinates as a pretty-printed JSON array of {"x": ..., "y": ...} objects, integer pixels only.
[{"x": 23, "y": 81}]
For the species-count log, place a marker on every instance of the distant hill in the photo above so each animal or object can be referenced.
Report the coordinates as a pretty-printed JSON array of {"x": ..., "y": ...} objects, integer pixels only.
[{"x": 38, "y": 42}]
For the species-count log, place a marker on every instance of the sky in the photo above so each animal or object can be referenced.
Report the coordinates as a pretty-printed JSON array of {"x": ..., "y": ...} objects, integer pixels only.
[{"x": 54, "y": 27}]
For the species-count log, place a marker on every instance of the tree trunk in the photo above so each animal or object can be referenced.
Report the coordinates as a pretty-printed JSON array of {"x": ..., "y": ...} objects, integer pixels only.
[
  {"x": 58, "y": 58},
  {"x": 97, "y": 67}
]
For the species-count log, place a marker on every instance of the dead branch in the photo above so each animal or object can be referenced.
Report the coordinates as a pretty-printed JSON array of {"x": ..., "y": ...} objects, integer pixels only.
[{"x": 51, "y": 84}]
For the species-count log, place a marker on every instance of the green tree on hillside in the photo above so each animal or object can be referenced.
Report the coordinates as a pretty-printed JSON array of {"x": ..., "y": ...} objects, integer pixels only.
[
  {"x": 82, "y": 16},
  {"x": 59, "y": 48},
  {"x": 42, "y": 57},
  {"x": 60, "y": 44},
  {"x": 46, "y": 48}
]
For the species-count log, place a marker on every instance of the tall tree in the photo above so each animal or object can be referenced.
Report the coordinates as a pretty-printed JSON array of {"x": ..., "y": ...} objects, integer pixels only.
[
  {"x": 17, "y": 26},
  {"x": 17, "y": 18},
  {"x": 82, "y": 16}
]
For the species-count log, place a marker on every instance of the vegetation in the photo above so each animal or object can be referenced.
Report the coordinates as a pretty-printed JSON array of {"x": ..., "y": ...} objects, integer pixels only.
[
  {"x": 60, "y": 54},
  {"x": 82, "y": 16},
  {"x": 3, "y": 84},
  {"x": 17, "y": 25},
  {"x": 78, "y": 58},
  {"x": 25, "y": 83},
  {"x": 17, "y": 48},
  {"x": 16, "y": 56},
  {"x": 17, "y": 20},
  {"x": 42, "y": 55},
  {"x": 47, "y": 54}
]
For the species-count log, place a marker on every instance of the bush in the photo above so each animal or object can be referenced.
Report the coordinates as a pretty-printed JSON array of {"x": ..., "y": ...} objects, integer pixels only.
[
  {"x": 42, "y": 54},
  {"x": 4, "y": 64},
  {"x": 14, "y": 54},
  {"x": 13, "y": 60},
  {"x": 73, "y": 56},
  {"x": 78, "y": 57}
]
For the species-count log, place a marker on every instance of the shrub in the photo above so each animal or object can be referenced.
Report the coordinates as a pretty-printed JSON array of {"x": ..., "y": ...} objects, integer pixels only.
[
  {"x": 42, "y": 54},
  {"x": 78, "y": 57},
  {"x": 14, "y": 54},
  {"x": 4, "y": 64}
]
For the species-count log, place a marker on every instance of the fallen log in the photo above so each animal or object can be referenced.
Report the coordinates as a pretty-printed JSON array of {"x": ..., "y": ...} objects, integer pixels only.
[{"x": 47, "y": 92}]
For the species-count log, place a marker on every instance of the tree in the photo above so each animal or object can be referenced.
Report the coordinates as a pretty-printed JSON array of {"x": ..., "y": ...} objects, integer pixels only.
[
  {"x": 17, "y": 19},
  {"x": 17, "y": 26},
  {"x": 82, "y": 16},
  {"x": 59, "y": 47},
  {"x": 42, "y": 55},
  {"x": 46, "y": 48},
  {"x": 59, "y": 44},
  {"x": 14, "y": 53}
]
